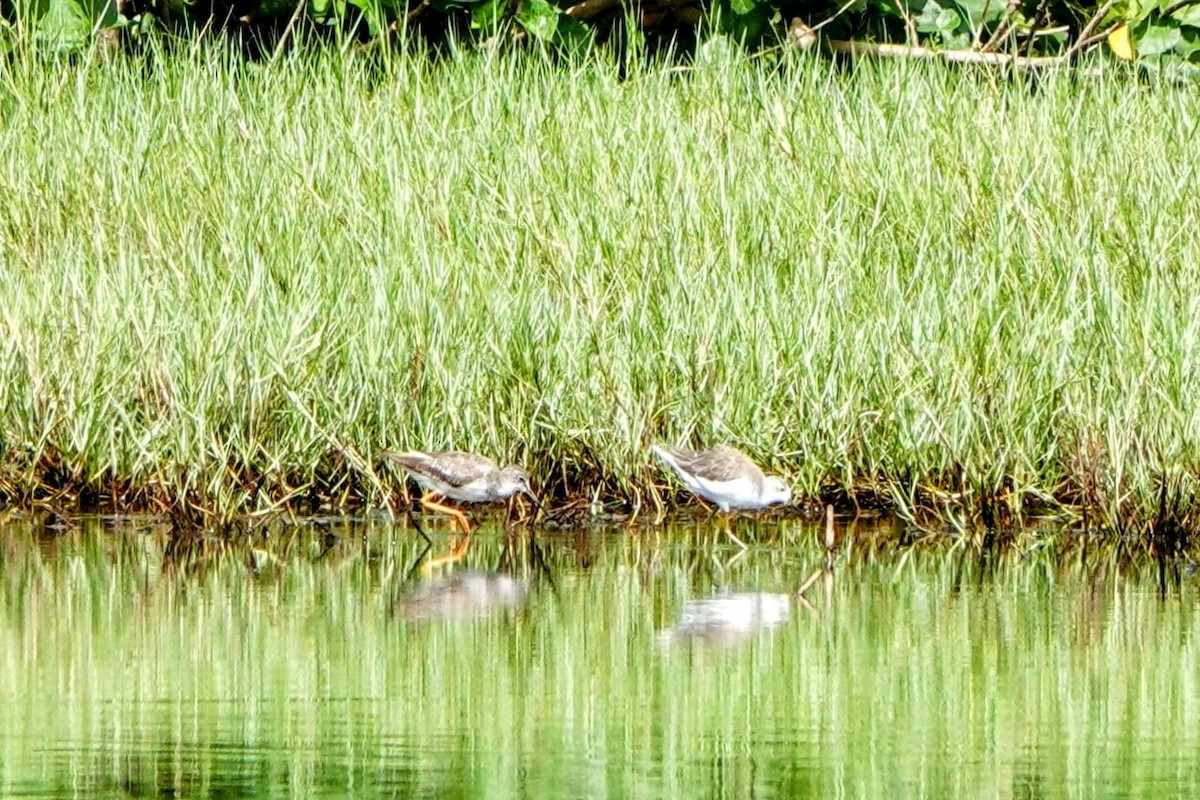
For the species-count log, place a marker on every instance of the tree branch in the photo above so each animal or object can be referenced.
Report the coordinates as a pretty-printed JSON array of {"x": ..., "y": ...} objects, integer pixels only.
[{"x": 856, "y": 48}]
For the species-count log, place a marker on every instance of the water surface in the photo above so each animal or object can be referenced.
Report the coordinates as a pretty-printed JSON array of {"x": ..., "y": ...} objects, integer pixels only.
[{"x": 325, "y": 660}]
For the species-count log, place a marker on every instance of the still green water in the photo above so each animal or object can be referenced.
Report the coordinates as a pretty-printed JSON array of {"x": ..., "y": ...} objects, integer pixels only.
[{"x": 317, "y": 662}]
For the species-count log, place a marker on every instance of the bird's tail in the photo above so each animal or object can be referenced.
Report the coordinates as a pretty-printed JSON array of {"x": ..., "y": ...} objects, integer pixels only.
[
  {"x": 667, "y": 455},
  {"x": 404, "y": 458}
]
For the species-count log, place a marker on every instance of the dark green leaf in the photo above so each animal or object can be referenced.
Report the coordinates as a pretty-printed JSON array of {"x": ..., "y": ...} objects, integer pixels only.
[
  {"x": 1189, "y": 47},
  {"x": 890, "y": 8},
  {"x": 935, "y": 18},
  {"x": 948, "y": 21},
  {"x": 980, "y": 12},
  {"x": 1157, "y": 39},
  {"x": 1188, "y": 15},
  {"x": 486, "y": 15},
  {"x": 376, "y": 13},
  {"x": 539, "y": 19},
  {"x": 1139, "y": 10},
  {"x": 328, "y": 9},
  {"x": 573, "y": 35},
  {"x": 748, "y": 27},
  {"x": 64, "y": 26}
]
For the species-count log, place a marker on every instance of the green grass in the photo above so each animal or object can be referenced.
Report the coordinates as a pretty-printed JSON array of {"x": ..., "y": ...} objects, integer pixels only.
[{"x": 226, "y": 285}]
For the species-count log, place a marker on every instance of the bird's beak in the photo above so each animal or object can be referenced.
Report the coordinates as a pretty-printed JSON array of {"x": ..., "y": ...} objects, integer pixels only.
[{"x": 537, "y": 504}]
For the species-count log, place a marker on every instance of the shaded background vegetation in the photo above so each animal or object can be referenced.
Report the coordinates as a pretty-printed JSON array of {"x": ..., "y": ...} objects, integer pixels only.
[{"x": 1152, "y": 31}]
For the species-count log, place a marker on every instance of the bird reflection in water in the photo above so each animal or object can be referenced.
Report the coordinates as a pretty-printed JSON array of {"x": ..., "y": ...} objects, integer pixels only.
[
  {"x": 731, "y": 618},
  {"x": 728, "y": 619},
  {"x": 462, "y": 596}
]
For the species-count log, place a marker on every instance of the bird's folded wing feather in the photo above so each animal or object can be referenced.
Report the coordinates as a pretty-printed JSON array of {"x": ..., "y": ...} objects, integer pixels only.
[
  {"x": 456, "y": 469},
  {"x": 718, "y": 464}
]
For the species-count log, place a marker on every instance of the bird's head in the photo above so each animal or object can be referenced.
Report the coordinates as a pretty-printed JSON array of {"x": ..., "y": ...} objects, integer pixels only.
[
  {"x": 513, "y": 480},
  {"x": 775, "y": 491}
]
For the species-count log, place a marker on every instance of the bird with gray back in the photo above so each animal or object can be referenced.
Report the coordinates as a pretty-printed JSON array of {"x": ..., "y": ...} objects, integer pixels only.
[
  {"x": 465, "y": 477},
  {"x": 726, "y": 476}
]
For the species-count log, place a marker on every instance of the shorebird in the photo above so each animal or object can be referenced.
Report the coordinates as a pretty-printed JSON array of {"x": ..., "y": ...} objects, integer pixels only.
[
  {"x": 466, "y": 477},
  {"x": 725, "y": 476}
]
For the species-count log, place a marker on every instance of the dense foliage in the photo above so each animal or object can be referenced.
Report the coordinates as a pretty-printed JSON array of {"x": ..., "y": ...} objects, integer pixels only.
[{"x": 1152, "y": 31}]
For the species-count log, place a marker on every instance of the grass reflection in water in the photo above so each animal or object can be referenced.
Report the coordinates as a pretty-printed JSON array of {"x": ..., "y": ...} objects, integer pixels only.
[{"x": 323, "y": 660}]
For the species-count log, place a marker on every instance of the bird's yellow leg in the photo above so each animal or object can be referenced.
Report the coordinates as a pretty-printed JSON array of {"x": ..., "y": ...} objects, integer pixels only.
[
  {"x": 455, "y": 515},
  {"x": 730, "y": 534},
  {"x": 459, "y": 550},
  {"x": 456, "y": 553}
]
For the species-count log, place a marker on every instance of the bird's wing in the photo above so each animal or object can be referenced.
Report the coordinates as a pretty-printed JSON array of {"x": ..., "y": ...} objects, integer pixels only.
[
  {"x": 720, "y": 463},
  {"x": 455, "y": 469}
]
